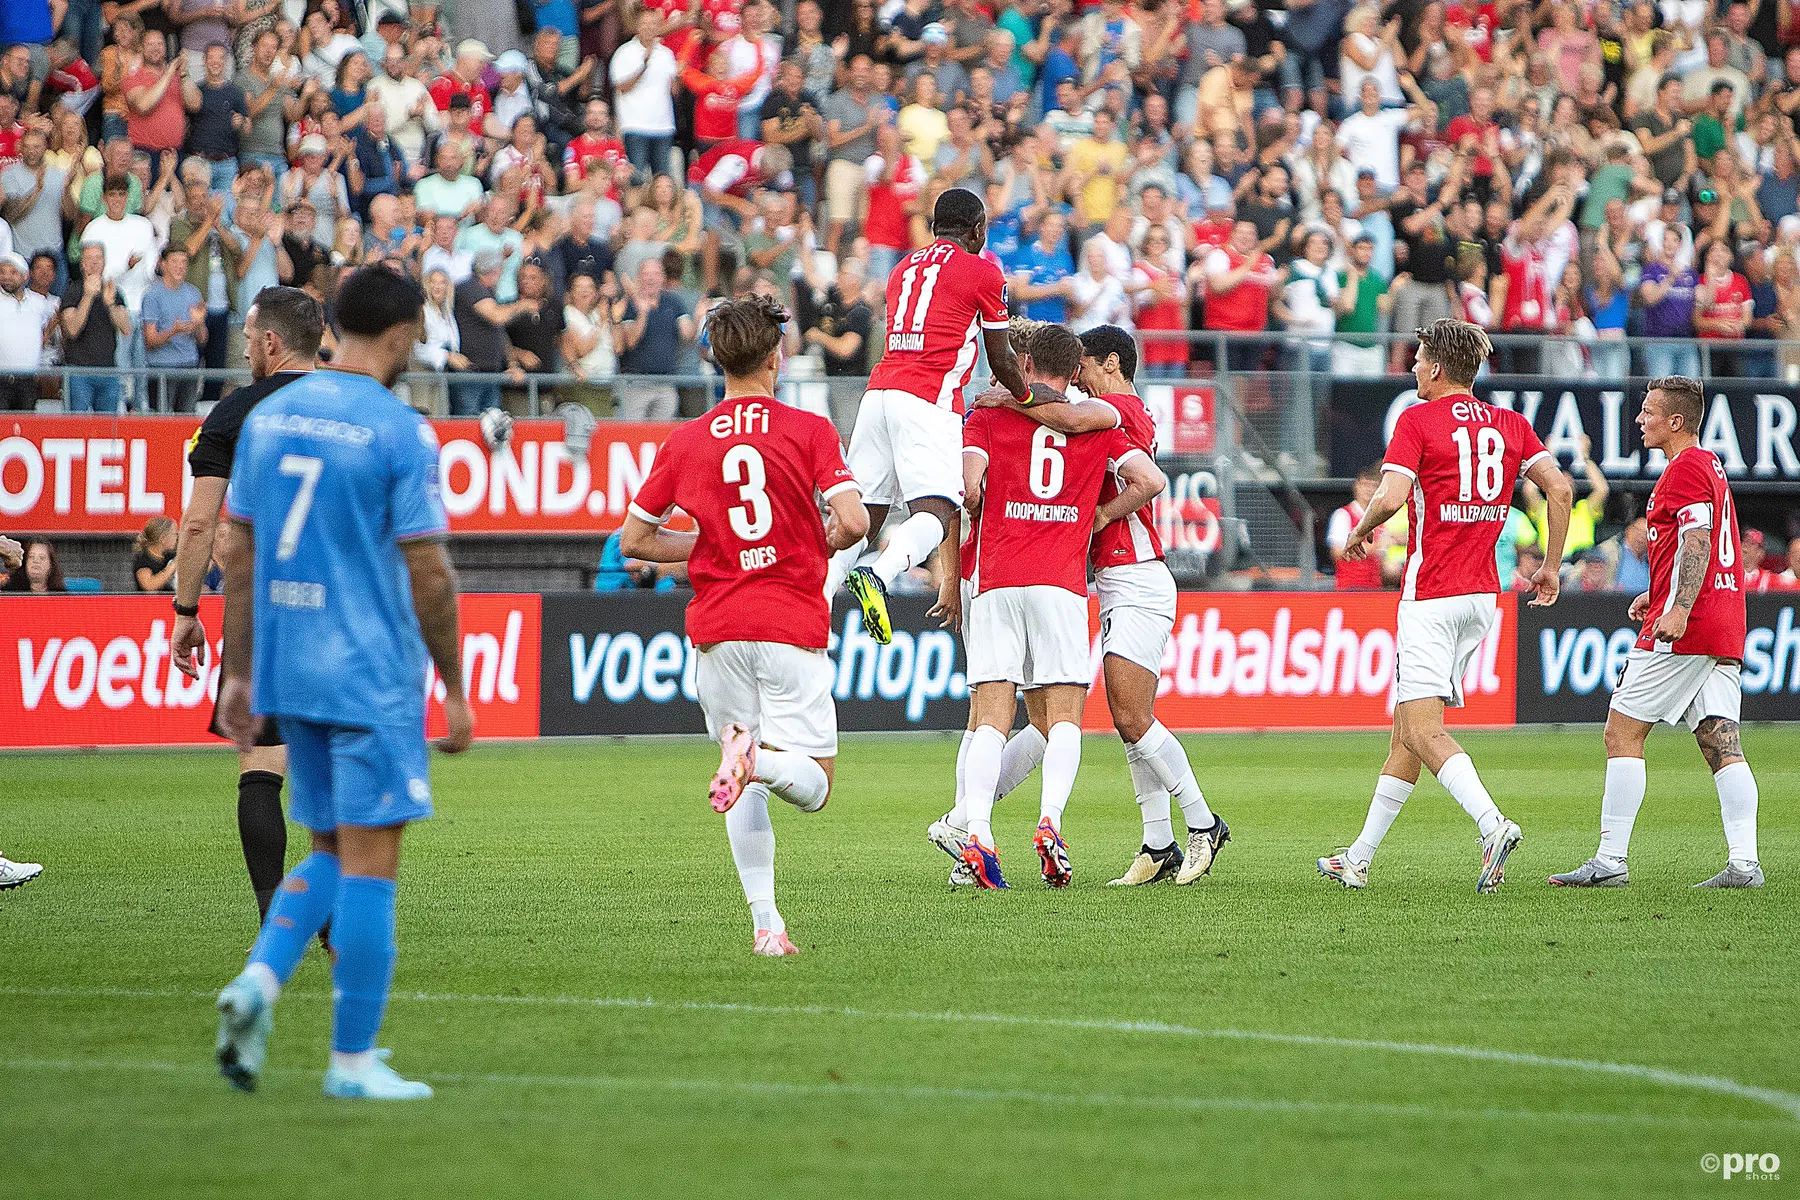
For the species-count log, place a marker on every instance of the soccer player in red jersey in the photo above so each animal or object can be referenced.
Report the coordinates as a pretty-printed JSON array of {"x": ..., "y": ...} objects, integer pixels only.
[
  {"x": 1137, "y": 615},
  {"x": 1035, "y": 496},
  {"x": 1684, "y": 668},
  {"x": 750, "y": 473},
  {"x": 907, "y": 444},
  {"x": 1453, "y": 461}
]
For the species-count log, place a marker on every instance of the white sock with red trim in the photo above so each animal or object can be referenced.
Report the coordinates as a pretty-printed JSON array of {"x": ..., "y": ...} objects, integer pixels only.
[{"x": 907, "y": 547}]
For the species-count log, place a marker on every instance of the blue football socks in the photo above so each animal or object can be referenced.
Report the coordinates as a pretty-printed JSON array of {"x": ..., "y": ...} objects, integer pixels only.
[
  {"x": 302, "y": 905},
  {"x": 362, "y": 933}
]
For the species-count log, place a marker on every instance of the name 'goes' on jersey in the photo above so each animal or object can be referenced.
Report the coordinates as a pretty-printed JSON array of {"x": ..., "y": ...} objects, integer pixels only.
[
  {"x": 938, "y": 298},
  {"x": 1038, "y": 500},
  {"x": 1463, "y": 457},
  {"x": 333, "y": 474},
  {"x": 748, "y": 473}
]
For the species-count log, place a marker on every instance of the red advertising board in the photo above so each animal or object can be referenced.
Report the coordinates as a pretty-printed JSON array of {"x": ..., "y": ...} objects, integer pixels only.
[
  {"x": 106, "y": 474},
  {"x": 1300, "y": 660},
  {"x": 96, "y": 671}
]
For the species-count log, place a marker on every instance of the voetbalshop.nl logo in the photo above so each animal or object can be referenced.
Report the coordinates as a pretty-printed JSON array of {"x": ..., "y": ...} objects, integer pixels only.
[{"x": 1742, "y": 1166}]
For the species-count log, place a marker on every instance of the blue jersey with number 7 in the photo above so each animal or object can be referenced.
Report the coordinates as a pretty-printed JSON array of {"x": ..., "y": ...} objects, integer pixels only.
[{"x": 334, "y": 474}]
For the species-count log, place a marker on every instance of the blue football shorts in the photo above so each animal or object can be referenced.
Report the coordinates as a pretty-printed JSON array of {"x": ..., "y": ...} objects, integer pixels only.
[{"x": 344, "y": 775}]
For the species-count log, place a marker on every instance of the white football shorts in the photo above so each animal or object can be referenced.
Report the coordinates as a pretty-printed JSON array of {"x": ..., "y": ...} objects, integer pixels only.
[
  {"x": 1681, "y": 689},
  {"x": 1137, "y": 612},
  {"x": 1032, "y": 637},
  {"x": 905, "y": 449},
  {"x": 1436, "y": 640},
  {"x": 781, "y": 693}
]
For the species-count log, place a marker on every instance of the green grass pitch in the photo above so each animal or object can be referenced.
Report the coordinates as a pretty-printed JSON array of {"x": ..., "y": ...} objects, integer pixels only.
[{"x": 575, "y": 978}]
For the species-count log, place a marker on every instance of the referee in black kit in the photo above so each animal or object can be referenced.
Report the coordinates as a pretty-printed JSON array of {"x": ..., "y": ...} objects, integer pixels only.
[{"x": 282, "y": 335}]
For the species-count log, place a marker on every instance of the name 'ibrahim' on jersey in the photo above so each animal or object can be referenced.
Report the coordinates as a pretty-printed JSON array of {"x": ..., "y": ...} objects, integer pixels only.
[
  {"x": 938, "y": 298},
  {"x": 334, "y": 473}
]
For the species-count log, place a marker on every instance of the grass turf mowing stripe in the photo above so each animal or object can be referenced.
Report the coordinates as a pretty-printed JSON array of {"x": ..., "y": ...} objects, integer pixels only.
[
  {"x": 952, "y": 1094},
  {"x": 1787, "y": 1102}
]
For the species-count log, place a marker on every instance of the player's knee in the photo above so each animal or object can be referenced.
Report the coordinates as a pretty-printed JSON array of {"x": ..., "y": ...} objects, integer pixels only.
[
  {"x": 1132, "y": 724},
  {"x": 1719, "y": 742},
  {"x": 1624, "y": 743}
]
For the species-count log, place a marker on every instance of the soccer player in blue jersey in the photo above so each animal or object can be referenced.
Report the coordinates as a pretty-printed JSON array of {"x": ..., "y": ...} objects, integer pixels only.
[{"x": 337, "y": 586}]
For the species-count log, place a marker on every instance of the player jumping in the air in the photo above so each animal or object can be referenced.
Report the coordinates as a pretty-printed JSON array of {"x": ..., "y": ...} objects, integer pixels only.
[
  {"x": 751, "y": 473},
  {"x": 337, "y": 586},
  {"x": 1453, "y": 461},
  {"x": 281, "y": 340},
  {"x": 1035, "y": 496},
  {"x": 907, "y": 444},
  {"x": 1137, "y": 614},
  {"x": 1684, "y": 668}
]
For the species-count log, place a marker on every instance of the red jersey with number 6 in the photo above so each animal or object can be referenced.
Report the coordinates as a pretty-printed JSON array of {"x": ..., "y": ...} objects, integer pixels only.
[
  {"x": 1132, "y": 538},
  {"x": 938, "y": 301},
  {"x": 1463, "y": 458},
  {"x": 1038, "y": 500},
  {"x": 1693, "y": 493},
  {"x": 751, "y": 473}
]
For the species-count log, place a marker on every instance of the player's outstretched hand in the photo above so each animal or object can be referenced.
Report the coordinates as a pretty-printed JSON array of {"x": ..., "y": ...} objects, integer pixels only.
[
  {"x": 1640, "y": 607},
  {"x": 1672, "y": 625},
  {"x": 187, "y": 642},
  {"x": 235, "y": 718},
  {"x": 461, "y": 724},
  {"x": 949, "y": 605},
  {"x": 1356, "y": 549},
  {"x": 1549, "y": 586}
]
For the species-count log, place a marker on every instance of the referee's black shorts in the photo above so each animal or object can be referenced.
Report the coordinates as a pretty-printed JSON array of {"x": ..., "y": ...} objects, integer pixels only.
[{"x": 270, "y": 735}]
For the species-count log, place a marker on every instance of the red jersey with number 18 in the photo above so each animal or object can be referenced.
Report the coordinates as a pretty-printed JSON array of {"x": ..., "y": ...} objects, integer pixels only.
[
  {"x": 1133, "y": 537},
  {"x": 748, "y": 473},
  {"x": 1463, "y": 458},
  {"x": 1693, "y": 493},
  {"x": 1038, "y": 501},
  {"x": 938, "y": 301}
]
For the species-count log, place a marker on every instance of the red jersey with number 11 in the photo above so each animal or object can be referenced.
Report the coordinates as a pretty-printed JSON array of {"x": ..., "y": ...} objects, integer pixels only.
[
  {"x": 938, "y": 301},
  {"x": 1693, "y": 493},
  {"x": 1038, "y": 500},
  {"x": 1463, "y": 458},
  {"x": 748, "y": 473}
]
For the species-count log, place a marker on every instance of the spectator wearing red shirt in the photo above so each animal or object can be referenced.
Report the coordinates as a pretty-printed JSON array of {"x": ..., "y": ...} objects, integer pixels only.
[
  {"x": 894, "y": 179},
  {"x": 1756, "y": 579},
  {"x": 464, "y": 79},
  {"x": 1239, "y": 278},
  {"x": 595, "y": 149},
  {"x": 1158, "y": 303},
  {"x": 155, "y": 119},
  {"x": 1476, "y": 132},
  {"x": 716, "y": 97},
  {"x": 1722, "y": 304}
]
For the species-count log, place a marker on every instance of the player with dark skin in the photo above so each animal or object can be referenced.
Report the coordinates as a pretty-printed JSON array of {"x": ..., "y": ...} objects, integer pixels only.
[
  {"x": 1010, "y": 376},
  {"x": 1719, "y": 739}
]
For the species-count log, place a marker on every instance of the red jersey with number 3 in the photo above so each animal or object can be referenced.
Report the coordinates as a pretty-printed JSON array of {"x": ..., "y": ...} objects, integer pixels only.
[
  {"x": 1132, "y": 538},
  {"x": 1038, "y": 500},
  {"x": 1463, "y": 458},
  {"x": 1693, "y": 493},
  {"x": 938, "y": 301},
  {"x": 751, "y": 473}
]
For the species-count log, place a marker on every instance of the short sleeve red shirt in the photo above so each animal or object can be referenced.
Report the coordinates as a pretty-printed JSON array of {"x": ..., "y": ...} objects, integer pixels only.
[
  {"x": 1462, "y": 457},
  {"x": 1133, "y": 537},
  {"x": 1693, "y": 493},
  {"x": 752, "y": 473},
  {"x": 938, "y": 301}
]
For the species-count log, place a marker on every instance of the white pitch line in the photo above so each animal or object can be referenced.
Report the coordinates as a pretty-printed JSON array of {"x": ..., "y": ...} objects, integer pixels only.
[
  {"x": 1786, "y": 1102},
  {"x": 758, "y": 1087}
]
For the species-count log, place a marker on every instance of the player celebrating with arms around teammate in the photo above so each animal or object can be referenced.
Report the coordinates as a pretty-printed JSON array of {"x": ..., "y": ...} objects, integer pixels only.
[
  {"x": 1137, "y": 614},
  {"x": 748, "y": 473},
  {"x": 1035, "y": 497},
  {"x": 1684, "y": 668},
  {"x": 1453, "y": 461},
  {"x": 336, "y": 587},
  {"x": 907, "y": 444}
]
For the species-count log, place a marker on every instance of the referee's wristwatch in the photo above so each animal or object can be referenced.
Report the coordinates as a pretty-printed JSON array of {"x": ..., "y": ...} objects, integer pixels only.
[{"x": 186, "y": 610}]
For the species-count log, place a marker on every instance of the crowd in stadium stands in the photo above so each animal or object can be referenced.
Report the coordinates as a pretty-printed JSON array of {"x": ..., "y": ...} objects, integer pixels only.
[{"x": 575, "y": 181}]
